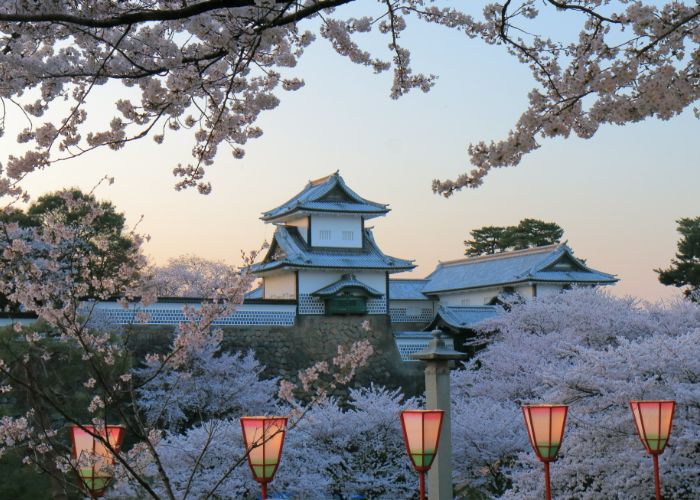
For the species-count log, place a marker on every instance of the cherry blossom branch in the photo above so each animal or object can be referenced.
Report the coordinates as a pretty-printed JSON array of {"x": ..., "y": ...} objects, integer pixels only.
[
  {"x": 129, "y": 18},
  {"x": 674, "y": 27},
  {"x": 583, "y": 8}
]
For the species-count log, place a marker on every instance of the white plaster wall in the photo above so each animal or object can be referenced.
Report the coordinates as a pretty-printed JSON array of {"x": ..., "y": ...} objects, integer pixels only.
[
  {"x": 480, "y": 296},
  {"x": 413, "y": 307},
  {"x": 525, "y": 290},
  {"x": 336, "y": 225},
  {"x": 476, "y": 297},
  {"x": 279, "y": 286},
  {"x": 302, "y": 224},
  {"x": 548, "y": 290},
  {"x": 310, "y": 281},
  {"x": 375, "y": 279}
]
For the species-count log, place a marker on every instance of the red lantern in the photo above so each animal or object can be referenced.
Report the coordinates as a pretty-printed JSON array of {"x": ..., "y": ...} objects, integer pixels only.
[
  {"x": 421, "y": 433},
  {"x": 264, "y": 437},
  {"x": 545, "y": 427},
  {"x": 653, "y": 420},
  {"x": 94, "y": 458}
]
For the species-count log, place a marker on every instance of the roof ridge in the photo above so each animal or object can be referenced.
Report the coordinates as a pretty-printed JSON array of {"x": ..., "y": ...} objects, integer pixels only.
[
  {"x": 502, "y": 255},
  {"x": 311, "y": 199},
  {"x": 324, "y": 179}
]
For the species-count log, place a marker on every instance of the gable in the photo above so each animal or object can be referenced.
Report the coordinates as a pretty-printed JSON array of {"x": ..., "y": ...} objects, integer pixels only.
[
  {"x": 565, "y": 263},
  {"x": 275, "y": 253},
  {"x": 337, "y": 194}
]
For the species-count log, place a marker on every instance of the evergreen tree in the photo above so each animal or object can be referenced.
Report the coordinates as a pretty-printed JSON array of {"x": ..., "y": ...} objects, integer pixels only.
[
  {"x": 529, "y": 233},
  {"x": 105, "y": 237},
  {"x": 486, "y": 240},
  {"x": 685, "y": 268}
]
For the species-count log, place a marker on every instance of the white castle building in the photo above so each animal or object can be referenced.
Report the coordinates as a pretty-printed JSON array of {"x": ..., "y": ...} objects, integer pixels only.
[{"x": 322, "y": 255}]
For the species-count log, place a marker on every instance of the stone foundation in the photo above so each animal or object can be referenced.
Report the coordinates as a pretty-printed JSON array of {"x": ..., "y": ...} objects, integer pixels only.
[{"x": 286, "y": 350}]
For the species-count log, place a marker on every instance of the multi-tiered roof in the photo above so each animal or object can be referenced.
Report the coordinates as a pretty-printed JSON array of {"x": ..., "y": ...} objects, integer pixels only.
[
  {"x": 289, "y": 250},
  {"x": 326, "y": 196}
]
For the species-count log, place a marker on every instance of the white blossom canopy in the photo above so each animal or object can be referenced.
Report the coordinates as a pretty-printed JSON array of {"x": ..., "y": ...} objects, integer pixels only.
[{"x": 213, "y": 66}]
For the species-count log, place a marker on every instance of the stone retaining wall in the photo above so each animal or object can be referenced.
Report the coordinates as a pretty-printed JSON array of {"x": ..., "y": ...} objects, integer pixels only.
[{"x": 286, "y": 350}]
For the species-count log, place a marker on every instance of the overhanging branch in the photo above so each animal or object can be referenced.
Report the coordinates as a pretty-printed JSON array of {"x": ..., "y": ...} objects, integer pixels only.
[{"x": 151, "y": 15}]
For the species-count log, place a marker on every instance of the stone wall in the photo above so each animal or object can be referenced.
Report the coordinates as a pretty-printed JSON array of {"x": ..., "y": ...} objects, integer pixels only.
[{"x": 286, "y": 350}]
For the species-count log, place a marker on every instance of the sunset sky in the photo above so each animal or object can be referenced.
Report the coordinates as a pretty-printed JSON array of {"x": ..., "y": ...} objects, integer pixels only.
[{"x": 617, "y": 196}]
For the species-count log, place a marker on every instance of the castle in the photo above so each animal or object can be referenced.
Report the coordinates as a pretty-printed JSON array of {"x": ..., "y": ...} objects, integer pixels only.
[{"x": 323, "y": 262}]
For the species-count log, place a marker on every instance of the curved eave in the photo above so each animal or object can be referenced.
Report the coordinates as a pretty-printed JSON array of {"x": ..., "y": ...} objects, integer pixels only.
[
  {"x": 301, "y": 211},
  {"x": 605, "y": 281},
  {"x": 278, "y": 265},
  {"x": 478, "y": 314},
  {"x": 365, "y": 288}
]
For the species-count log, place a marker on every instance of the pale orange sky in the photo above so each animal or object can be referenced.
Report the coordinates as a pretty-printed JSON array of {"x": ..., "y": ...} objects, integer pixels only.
[{"x": 617, "y": 196}]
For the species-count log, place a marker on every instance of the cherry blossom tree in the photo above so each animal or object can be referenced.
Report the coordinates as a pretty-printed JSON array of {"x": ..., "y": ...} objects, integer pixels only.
[
  {"x": 595, "y": 353},
  {"x": 55, "y": 276},
  {"x": 336, "y": 451},
  {"x": 213, "y": 66},
  {"x": 191, "y": 276}
]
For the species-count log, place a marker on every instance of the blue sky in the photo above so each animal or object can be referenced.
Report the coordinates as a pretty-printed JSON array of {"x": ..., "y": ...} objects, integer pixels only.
[{"x": 617, "y": 196}]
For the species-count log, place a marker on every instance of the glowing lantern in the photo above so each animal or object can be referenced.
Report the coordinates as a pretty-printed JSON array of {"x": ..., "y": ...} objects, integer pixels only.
[
  {"x": 94, "y": 458},
  {"x": 264, "y": 437},
  {"x": 654, "y": 420},
  {"x": 421, "y": 433},
  {"x": 545, "y": 427}
]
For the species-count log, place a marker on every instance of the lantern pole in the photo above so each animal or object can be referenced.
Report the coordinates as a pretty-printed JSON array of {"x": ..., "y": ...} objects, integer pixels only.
[
  {"x": 547, "y": 484},
  {"x": 264, "y": 490},
  {"x": 438, "y": 358},
  {"x": 657, "y": 476},
  {"x": 421, "y": 483}
]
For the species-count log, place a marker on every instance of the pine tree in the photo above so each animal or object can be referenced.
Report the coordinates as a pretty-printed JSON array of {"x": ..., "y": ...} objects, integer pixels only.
[
  {"x": 529, "y": 233},
  {"x": 486, "y": 240},
  {"x": 685, "y": 268}
]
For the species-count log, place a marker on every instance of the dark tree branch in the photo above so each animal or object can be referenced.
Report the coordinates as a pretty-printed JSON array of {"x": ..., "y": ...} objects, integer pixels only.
[
  {"x": 526, "y": 52},
  {"x": 581, "y": 8},
  {"x": 670, "y": 31},
  {"x": 149, "y": 15}
]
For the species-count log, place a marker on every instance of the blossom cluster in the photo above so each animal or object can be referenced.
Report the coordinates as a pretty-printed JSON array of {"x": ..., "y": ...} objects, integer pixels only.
[
  {"x": 211, "y": 69},
  {"x": 594, "y": 352}
]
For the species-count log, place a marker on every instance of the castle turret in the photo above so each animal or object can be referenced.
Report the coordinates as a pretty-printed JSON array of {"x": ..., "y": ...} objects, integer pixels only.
[{"x": 322, "y": 254}]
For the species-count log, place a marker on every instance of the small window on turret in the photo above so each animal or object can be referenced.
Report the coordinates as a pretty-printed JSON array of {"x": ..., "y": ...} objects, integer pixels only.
[
  {"x": 348, "y": 235},
  {"x": 325, "y": 234}
]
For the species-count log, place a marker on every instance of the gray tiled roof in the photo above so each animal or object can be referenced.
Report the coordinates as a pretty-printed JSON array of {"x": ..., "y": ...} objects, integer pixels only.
[
  {"x": 347, "y": 281},
  {"x": 533, "y": 264},
  {"x": 288, "y": 249},
  {"x": 256, "y": 293},
  {"x": 464, "y": 317},
  {"x": 311, "y": 198},
  {"x": 407, "y": 289}
]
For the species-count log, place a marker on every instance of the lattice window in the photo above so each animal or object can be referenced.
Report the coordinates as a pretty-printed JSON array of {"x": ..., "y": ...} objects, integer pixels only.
[
  {"x": 325, "y": 234},
  {"x": 376, "y": 306},
  {"x": 402, "y": 315},
  {"x": 407, "y": 347},
  {"x": 311, "y": 305},
  {"x": 119, "y": 316}
]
